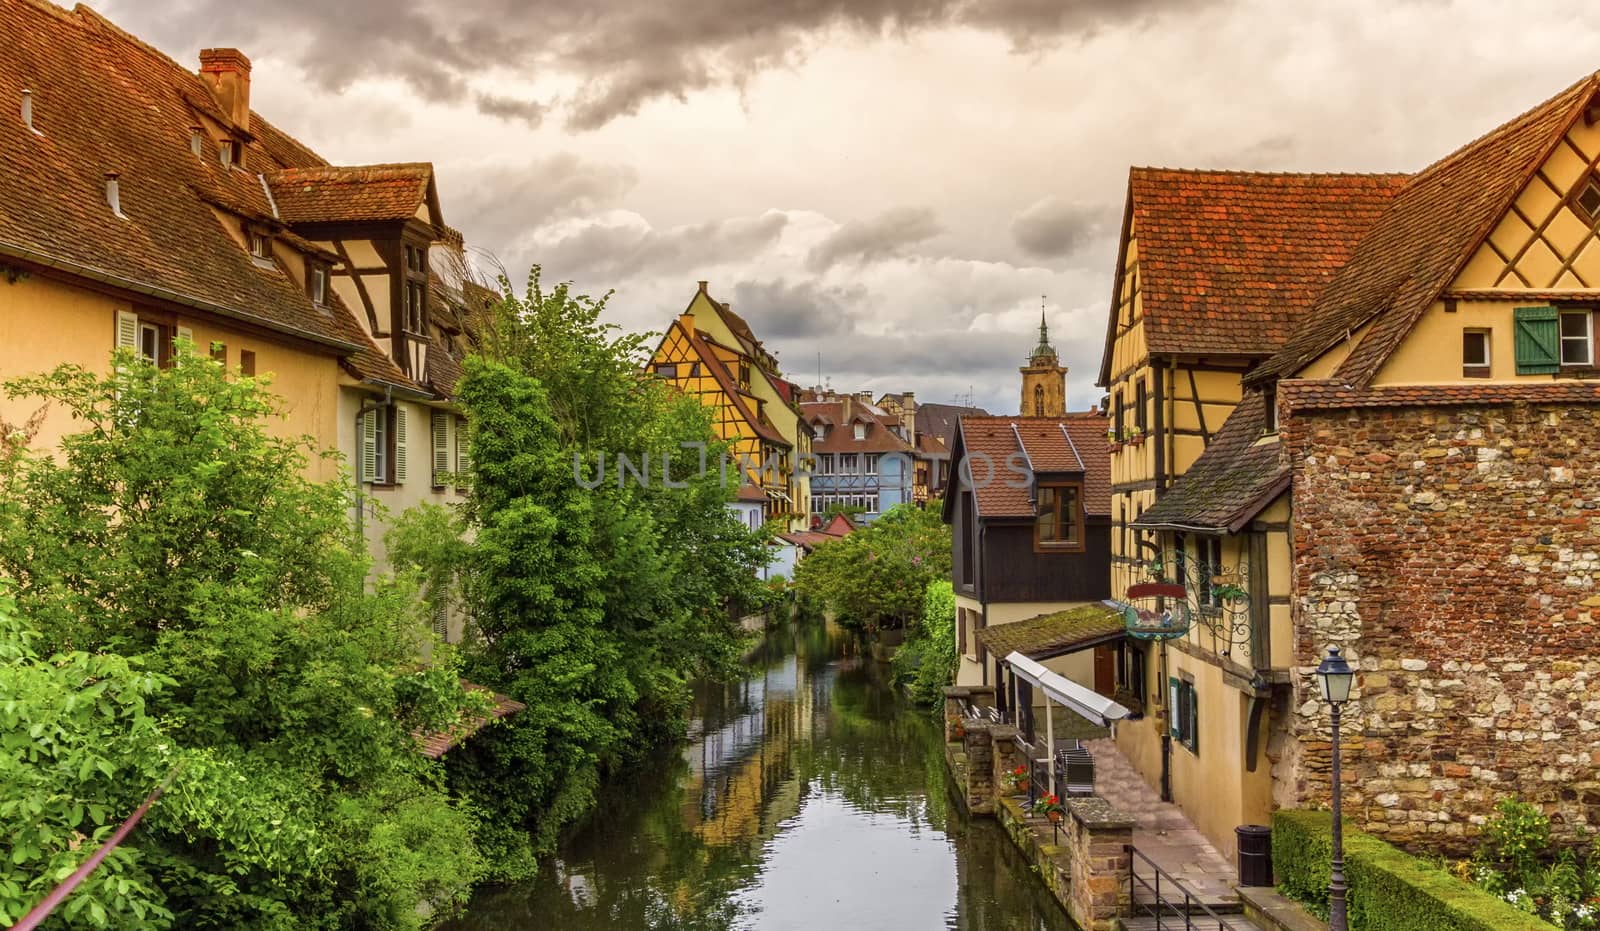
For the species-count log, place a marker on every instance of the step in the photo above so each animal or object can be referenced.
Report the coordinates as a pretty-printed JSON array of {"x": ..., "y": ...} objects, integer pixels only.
[{"x": 1196, "y": 923}]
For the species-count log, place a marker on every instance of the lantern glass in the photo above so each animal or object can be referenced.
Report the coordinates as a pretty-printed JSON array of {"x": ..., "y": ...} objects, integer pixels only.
[{"x": 1335, "y": 677}]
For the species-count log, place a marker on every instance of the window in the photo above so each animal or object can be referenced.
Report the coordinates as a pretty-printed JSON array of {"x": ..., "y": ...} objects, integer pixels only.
[
  {"x": 1209, "y": 558},
  {"x": 1475, "y": 353},
  {"x": 1587, "y": 203},
  {"x": 872, "y": 463},
  {"x": 861, "y": 431},
  {"x": 1116, "y": 412},
  {"x": 1269, "y": 397},
  {"x": 226, "y": 152},
  {"x": 1182, "y": 713},
  {"x": 1140, "y": 400},
  {"x": 1575, "y": 343},
  {"x": 848, "y": 463},
  {"x": 317, "y": 282},
  {"x": 1130, "y": 673},
  {"x": 463, "y": 452},
  {"x": 219, "y": 352},
  {"x": 247, "y": 362},
  {"x": 439, "y": 433},
  {"x": 1058, "y": 523},
  {"x": 375, "y": 434},
  {"x": 825, "y": 464},
  {"x": 1038, "y": 400},
  {"x": 414, "y": 316},
  {"x": 822, "y": 431},
  {"x": 961, "y": 629},
  {"x": 744, "y": 374},
  {"x": 1536, "y": 333},
  {"x": 260, "y": 246},
  {"x": 667, "y": 370}
]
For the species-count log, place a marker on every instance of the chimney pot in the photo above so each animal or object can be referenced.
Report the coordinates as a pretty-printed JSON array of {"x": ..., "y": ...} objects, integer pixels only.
[
  {"x": 703, "y": 287},
  {"x": 227, "y": 71}
]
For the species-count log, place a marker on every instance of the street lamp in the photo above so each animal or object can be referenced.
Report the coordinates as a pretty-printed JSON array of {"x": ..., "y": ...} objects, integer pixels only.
[{"x": 1335, "y": 677}]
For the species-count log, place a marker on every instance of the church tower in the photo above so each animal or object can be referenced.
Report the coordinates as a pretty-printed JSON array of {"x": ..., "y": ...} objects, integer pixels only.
[{"x": 1044, "y": 379}]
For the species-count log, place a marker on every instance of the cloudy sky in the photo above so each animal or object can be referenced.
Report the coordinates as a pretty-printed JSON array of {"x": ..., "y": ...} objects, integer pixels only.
[{"x": 890, "y": 183}]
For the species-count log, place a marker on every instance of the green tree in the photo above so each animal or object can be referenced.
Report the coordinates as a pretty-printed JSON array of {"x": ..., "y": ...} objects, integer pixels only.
[
  {"x": 175, "y": 533},
  {"x": 874, "y": 578},
  {"x": 595, "y": 596},
  {"x": 926, "y": 661}
]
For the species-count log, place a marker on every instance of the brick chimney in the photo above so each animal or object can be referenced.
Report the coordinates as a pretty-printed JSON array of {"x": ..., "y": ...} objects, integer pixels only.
[{"x": 227, "y": 72}]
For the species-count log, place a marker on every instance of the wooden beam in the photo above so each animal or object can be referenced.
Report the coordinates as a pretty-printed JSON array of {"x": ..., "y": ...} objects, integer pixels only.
[{"x": 1199, "y": 407}]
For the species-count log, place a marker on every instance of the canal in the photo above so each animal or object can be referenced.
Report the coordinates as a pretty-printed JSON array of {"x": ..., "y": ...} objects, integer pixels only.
[{"x": 809, "y": 795}]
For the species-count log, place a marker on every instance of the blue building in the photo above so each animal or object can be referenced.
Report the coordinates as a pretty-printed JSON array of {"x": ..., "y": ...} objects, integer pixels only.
[{"x": 863, "y": 457}]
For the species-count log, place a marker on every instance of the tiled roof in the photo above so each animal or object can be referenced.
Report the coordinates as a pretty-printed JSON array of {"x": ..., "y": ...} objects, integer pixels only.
[
  {"x": 1229, "y": 261},
  {"x": 1056, "y": 633},
  {"x": 436, "y": 744},
  {"x": 1075, "y": 443},
  {"x": 750, "y": 494},
  {"x": 1231, "y": 481},
  {"x": 809, "y": 539},
  {"x": 1335, "y": 394},
  {"x": 1424, "y": 238},
  {"x": 841, "y": 436},
  {"x": 337, "y": 194},
  {"x": 106, "y": 102},
  {"x": 939, "y": 420}
]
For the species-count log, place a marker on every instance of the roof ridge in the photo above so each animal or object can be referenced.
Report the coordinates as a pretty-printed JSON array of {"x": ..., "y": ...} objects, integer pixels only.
[{"x": 1267, "y": 173}]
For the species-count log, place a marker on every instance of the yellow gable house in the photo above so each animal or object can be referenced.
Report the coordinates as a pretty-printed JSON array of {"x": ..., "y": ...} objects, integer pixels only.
[
  {"x": 710, "y": 352},
  {"x": 1408, "y": 476},
  {"x": 143, "y": 203}
]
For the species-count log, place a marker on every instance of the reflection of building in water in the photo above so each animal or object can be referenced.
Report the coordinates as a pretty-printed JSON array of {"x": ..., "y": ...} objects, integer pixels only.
[{"x": 742, "y": 781}]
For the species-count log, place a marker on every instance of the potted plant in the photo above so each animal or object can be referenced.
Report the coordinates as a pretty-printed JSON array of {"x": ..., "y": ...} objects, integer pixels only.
[
  {"x": 1229, "y": 591},
  {"x": 958, "y": 731},
  {"x": 1050, "y": 806},
  {"x": 1019, "y": 779},
  {"x": 1135, "y": 436}
]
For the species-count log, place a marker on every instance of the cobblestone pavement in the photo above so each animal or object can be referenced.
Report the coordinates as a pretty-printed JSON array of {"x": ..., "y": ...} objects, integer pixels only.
[{"x": 1162, "y": 832}]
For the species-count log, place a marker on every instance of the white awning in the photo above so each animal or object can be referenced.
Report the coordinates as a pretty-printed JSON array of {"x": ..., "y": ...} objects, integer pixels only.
[{"x": 1063, "y": 691}]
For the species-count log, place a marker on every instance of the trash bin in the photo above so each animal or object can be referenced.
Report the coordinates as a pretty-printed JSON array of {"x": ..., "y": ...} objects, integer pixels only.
[{"x": 1255, "y": 854}]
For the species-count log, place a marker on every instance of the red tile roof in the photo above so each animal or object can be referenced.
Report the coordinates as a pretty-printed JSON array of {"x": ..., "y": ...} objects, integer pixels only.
[
  {"x": 1232, "y": 480},
  {"x": 364, "y": 194},
  {"x": 841, "y": 437},
  {"x": 1229, "y": 260},
  {"x": 438, "y": 743},
  {"x": 1336, "y": 394},
  {"x": 1425, "y": 237},
  {"x": 106, "y": 102},
  {"x": 1075, "y": 443}
]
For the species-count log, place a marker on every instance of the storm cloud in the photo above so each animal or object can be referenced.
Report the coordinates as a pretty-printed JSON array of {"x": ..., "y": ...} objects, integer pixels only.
[
  {"x": 889, "y": 233},
  {"x": 786, "y": 310},
  {"x": 622, "y": 53},
  {"x": 1052, "y": 228}
]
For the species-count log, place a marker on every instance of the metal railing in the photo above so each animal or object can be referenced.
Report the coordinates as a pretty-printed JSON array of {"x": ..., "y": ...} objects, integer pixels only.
[{"x": 1183, "y": 918}]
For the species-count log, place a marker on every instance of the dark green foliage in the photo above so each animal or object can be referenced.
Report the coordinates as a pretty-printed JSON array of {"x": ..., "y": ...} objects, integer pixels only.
[
  {"x": 175, "y": 534},
  {"x": 926, "y": 661},
  {"x": 1390, "y": 890},
  {"x": 874, "y": 578},
  {"x": 592, "y": 605}
]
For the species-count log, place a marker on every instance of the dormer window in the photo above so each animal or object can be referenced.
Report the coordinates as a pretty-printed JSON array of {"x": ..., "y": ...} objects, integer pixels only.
[
  {"x": 415, "y": 311},
  {"x": 821, "y": 430},
  {"x": 228, "y": 153},
  {"x": 260, "y": 245},
  {"x": 317, "y": 282},
  {"x": 860, "y": 430}
]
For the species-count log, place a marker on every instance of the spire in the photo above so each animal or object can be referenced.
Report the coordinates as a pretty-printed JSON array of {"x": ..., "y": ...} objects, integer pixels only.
[{"x": 1044, "y": 350}]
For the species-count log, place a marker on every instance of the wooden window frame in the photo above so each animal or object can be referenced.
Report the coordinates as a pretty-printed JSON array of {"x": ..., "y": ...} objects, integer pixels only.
[
  {"x": 1141, "y": 398},
  {"x": 1183, "y": 713},
  {"x": 1575, "y": 200},
  {"x": 1470, "y": 369},
  {"x": 667, "y": 370},
  {"x": 1587, "y": 316},
  {"x": 414, "y": 288},
  {"x": 247, "y": 362},
  {"x": 1269, "y": 397},
  {"x": 316, "y": 271},
  {"x": 259, "y": 244},
  {"x": 1062, "y": 546}
]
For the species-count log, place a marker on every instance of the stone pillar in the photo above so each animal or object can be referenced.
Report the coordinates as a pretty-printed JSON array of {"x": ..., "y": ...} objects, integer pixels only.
[
  {"x": 954, "y": 695},
  {"x": 979, "y": 744},
  {"x": 1097, "y": 837},
  {"x": 981, "y": 696},
  {"x": 1007, "y": 757}
]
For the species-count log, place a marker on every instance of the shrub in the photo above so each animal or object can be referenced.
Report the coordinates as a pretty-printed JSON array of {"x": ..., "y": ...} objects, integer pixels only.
[{"x": 1390, "y": 890}]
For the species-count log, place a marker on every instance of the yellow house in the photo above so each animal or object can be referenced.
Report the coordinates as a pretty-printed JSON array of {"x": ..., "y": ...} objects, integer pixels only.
[
  {"x": 1407, "y": 478},
  {"x": 1214, "y": 270},
  {"x": 144, "y": 203},
  {"x": 710, "y": 352}
]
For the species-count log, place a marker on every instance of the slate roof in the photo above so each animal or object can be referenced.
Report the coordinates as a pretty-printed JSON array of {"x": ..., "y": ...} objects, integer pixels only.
[
  {"x": 438, "y": 743},
  {"x": 1231, "y": 481},
  {"x": 939, "y": 420},
  {"x": 106, "y": 102},
  {"x": 1075, "y": 443},
  {"x": 1056, "y": 633},
  {"x": 1425, "y": 236},
  {"x": 339, "y": 194},
  {"x": 1230, "y": 260}
]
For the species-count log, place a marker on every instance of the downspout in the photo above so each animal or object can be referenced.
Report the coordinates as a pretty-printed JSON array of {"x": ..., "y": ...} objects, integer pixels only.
[
  {"x": 361, "y": 504},
  {"x": 1166, "y": 729}
]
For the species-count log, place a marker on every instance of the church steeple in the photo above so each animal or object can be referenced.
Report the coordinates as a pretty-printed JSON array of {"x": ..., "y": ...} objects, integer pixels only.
[{"x": 1044, "y": 378}]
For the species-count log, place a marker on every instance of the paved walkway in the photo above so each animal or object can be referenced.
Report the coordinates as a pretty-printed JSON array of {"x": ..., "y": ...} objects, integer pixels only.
[{"x": 1162, "y": 832}]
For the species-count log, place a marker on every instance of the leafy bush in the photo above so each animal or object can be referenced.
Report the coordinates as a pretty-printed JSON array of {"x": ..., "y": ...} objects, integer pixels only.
[
  {"x": 874, "y": 578},
  {"x": 1390, "y": 890},
  {"x": 927, "y": 659},
  {"x": 1513, "y": 862}
]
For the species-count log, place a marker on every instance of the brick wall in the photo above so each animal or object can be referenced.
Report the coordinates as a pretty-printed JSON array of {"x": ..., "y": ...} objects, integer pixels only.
[{"x": 1454, "y": 553}]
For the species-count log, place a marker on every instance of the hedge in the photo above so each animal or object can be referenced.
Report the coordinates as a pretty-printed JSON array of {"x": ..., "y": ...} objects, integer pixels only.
[{"x": 1390, "y": 890}]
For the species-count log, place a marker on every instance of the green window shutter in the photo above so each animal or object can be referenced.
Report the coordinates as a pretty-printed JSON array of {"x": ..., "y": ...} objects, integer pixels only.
[
  {"x": 399, "y": 445},
  {"x": 369, "y": 446},
  {"x": 441, "y": 446},
  {"x": 1174, "y": 708},
  {"x": 1538, "y": 340}
]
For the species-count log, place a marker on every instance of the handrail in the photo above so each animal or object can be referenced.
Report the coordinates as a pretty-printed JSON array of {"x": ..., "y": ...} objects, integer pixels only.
[{"x": 1189, "y": 900}]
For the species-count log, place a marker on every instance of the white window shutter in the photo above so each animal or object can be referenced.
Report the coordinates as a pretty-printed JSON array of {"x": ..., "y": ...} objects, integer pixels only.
[
  {"x": 441, "y": 446},
  {"x": 399, "y": 445},
  {"x": 369, "y": 446},
  {"x": 186, "y": 334},
  {"x": 463, "y": 456},
  {"x": 127, "y": 330}
]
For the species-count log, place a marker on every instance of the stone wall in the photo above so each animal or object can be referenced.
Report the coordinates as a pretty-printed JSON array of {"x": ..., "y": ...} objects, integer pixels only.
[{"x": 1454, "y": 554}]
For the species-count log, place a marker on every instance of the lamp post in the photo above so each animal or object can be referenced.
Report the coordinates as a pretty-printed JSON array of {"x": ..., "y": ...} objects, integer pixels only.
[{"x": 1335, "y": 677}]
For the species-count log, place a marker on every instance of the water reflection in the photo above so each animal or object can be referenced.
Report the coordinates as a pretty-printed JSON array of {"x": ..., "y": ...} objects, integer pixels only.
[{"x": 808, "y": 796}]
